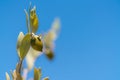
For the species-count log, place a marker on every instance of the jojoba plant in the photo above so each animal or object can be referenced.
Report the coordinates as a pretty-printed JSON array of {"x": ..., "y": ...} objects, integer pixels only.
[{"x": 31, "y": 45}]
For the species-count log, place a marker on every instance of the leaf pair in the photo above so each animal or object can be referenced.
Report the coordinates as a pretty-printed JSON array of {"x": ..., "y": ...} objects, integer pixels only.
[
  {"x": 32, "y": 20},
  {"x": 34, "y": 23}
]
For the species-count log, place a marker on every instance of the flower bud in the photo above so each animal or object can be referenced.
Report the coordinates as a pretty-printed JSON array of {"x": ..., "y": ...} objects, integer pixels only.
[{"x": 36, "y": 43}]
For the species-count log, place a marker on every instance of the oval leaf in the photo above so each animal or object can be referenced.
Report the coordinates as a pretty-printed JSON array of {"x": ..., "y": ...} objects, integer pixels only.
[{"x": 25, "y": 45}]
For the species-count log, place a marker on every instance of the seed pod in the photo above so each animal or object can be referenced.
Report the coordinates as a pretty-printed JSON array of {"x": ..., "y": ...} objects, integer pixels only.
[{"x": 36, "y": 43}]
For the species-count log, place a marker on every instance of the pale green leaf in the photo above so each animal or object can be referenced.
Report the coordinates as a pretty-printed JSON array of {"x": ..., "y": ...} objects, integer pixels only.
[
  {"x": 7, "y": 76},
  {"x": 20, "y": 38},
  {"x": 27, "y": 21},
  {"x": 55, "y": 27}
]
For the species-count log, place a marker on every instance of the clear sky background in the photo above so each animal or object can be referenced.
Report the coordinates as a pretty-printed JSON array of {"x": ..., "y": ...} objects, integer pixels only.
[{"x": 88, "y": 47}]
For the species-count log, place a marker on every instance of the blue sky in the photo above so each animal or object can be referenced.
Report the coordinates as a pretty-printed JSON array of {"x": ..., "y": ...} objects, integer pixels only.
[{"x": 88, "y": 47}]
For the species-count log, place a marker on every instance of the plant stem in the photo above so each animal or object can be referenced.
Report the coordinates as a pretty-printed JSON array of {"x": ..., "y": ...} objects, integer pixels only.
[{"x": 19, "y": 66}]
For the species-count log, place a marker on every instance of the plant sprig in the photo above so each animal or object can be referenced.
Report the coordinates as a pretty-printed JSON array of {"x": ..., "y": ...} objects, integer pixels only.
[{"x": 30, "y": 46}]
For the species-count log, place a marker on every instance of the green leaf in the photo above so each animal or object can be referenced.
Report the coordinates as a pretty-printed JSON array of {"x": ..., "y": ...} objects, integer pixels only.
[
  {"x": 25, "y": 45},
  {"x": 34, "y": 23},
  {"x": 37, "y": 74}
]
